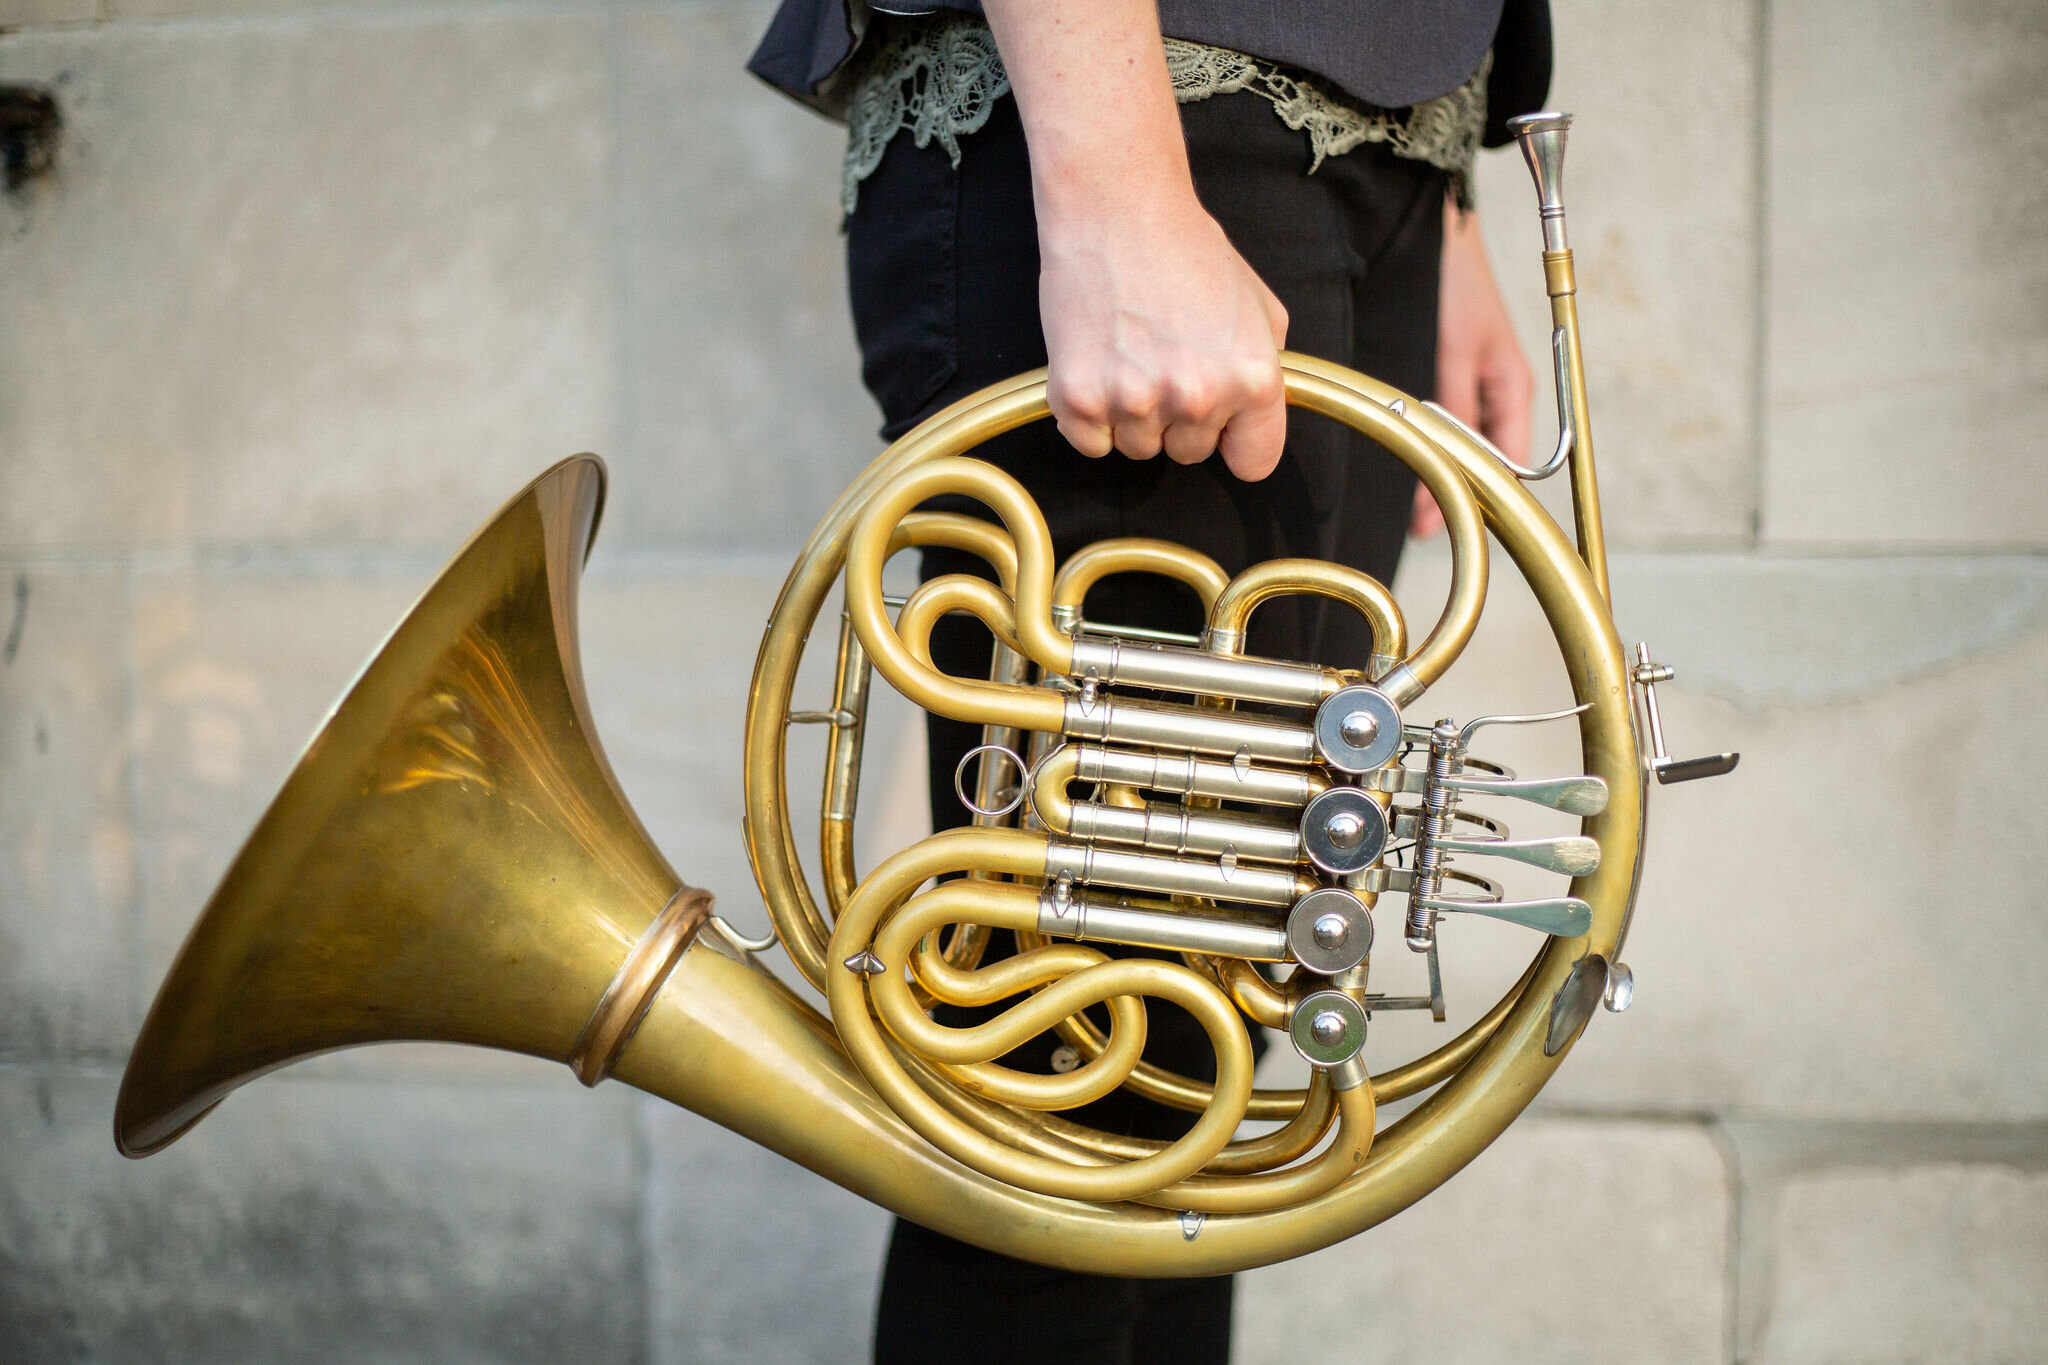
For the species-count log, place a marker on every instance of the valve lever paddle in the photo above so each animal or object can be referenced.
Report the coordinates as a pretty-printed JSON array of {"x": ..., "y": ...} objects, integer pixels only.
[
  {"x": 1572, "y": 795},
  {"x": 1574, "y": 855},
  {"x": 1562, "y": 916}
]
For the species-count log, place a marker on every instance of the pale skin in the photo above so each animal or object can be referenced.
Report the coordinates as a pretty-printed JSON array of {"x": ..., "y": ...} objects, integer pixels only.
[{"x": 1159, "y": 335}]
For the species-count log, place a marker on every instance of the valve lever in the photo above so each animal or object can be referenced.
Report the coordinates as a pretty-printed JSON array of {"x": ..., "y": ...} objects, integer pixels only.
[
  {"x": 1440, "y": 785},
  {"x": 1646, "y": 675},
  {"x": 1574, "y": 854},
  {"x": 1572, "y": 795},
  {"x": 1562, "y": 916}
]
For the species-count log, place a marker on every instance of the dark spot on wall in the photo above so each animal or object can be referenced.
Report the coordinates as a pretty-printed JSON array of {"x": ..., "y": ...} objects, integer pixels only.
[
  {"x": 42, "y": 735},
  {"x": 14, "y": 627},
  {"x": 29, "y": 128}
]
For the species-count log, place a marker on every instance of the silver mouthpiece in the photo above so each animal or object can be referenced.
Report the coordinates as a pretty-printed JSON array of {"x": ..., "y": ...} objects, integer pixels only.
[{"x": 1542, "y": 137}]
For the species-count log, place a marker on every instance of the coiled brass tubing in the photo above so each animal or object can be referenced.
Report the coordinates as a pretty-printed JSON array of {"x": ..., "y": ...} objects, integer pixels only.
[
  {"x": 1135, "y": 554},
  {"x": 1362, "y": 592},
  {"x": 838, "y": 868},
  {"x": 1052, "y": 1136},
  {"x": 842, "y": 757},
  {"x": 849, "y": 993},
  {"x": 903, "y": 655}
]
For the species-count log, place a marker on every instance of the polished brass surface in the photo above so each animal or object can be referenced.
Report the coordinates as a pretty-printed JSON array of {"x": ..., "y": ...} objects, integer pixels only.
[
  {"x": 452, "y": 860},
  {"x": 1502, "y": 1040},
  {"x": 467, "y": 737},
  {"x": 624, "y": 1002},
  {"x": 469, "y": 733},
  {"x": 1361, "y": 592}
]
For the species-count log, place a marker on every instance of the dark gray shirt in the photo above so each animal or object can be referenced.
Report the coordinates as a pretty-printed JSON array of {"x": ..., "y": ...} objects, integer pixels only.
[{"x": 1387, "y": 53}]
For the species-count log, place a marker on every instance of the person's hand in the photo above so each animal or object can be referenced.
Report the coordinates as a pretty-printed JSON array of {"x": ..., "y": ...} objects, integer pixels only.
[
  {"x": 1160, "y": 337},
  {"x": 1481, "y": 377}
]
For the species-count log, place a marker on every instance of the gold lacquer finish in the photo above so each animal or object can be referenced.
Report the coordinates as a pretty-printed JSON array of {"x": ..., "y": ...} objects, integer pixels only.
[
  {"x": 348, "y": 918},
  {"x": 452, "y": 860}
]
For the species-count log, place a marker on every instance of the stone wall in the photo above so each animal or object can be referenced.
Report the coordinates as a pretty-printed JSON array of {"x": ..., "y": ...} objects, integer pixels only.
[{"x": 314, "y": 286}]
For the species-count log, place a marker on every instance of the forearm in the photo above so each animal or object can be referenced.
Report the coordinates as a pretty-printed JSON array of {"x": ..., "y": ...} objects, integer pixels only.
[
  {"x": 1158, "y": 336},
  {"x": 1090, "y": 82}
]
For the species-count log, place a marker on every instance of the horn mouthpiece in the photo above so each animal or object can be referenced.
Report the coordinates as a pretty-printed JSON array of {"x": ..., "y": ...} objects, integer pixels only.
[{"x": 1542, "y": 137}]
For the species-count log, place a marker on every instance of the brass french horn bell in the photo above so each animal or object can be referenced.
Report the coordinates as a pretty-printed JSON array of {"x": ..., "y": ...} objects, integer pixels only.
[{"x": 452, "y": 860}]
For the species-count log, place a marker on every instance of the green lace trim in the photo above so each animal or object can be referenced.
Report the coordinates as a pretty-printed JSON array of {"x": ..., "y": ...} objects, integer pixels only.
[{"x": 938, "y": 76}]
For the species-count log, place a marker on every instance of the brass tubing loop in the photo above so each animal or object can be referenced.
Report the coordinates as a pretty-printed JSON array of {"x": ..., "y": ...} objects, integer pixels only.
[
  {"x": 1510, "y": 1035},
  {"x": 1446, "y": 635},
  {"x": 929, "y": 1124},
  {"x": 452, "y": 859}
]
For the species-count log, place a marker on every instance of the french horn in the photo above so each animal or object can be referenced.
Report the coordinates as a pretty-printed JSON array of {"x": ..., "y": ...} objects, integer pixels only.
[{"x": 452, "y": 859}]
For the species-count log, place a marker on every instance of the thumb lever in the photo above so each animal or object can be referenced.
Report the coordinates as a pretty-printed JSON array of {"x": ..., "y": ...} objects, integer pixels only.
[{"x": 1646, "y": 676}]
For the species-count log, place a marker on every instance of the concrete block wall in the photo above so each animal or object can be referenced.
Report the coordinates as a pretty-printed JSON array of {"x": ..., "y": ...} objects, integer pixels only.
[{"x": 314, "y": 286}]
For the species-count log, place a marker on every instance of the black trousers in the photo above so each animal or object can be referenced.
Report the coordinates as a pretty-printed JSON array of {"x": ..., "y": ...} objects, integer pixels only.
[{"x": 943, "y": 272}]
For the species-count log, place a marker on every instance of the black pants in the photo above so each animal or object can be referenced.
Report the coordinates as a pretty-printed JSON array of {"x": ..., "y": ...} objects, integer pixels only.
[{"x": 943, "y": 270}]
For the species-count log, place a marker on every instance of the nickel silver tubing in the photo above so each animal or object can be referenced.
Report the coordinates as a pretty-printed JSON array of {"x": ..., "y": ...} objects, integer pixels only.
[
  {"x": 1162, "y": 828},
  {"x": 1186, "y": 775},
  {"x": 1224, "y": 880},
  {"x": 1094, "y": 920},
  {"x": 1189, "y": 729},
  {"x": 1201, "y": 673}
]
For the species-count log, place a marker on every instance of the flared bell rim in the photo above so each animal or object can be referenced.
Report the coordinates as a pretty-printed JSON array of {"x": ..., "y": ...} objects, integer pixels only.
[{"x": 142, "y": 1128}]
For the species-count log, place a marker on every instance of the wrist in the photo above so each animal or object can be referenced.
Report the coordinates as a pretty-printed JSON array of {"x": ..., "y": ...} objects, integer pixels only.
[{"x": 1092, "y": 176}]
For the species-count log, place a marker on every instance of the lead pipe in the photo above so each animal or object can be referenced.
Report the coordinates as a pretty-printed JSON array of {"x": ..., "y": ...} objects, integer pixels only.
[{"x": 1542, "y": 138}]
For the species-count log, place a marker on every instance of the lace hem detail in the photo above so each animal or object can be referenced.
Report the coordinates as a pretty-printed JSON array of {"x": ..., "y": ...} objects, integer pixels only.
[{"x": 939, "y": 76}]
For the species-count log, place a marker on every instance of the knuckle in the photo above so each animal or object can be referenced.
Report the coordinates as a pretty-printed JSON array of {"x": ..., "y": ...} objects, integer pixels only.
[
  {"x": 1194, "y": 397},
  {"x": 1137, "y": 442},
  {"x": 1190, "y": 445},
  {"x": 1089, "y": 438},
  {"x": 1136, "y": 396},
  {"x": 1262, "y": 383},
  {"x": 1079, "y": 403}
]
